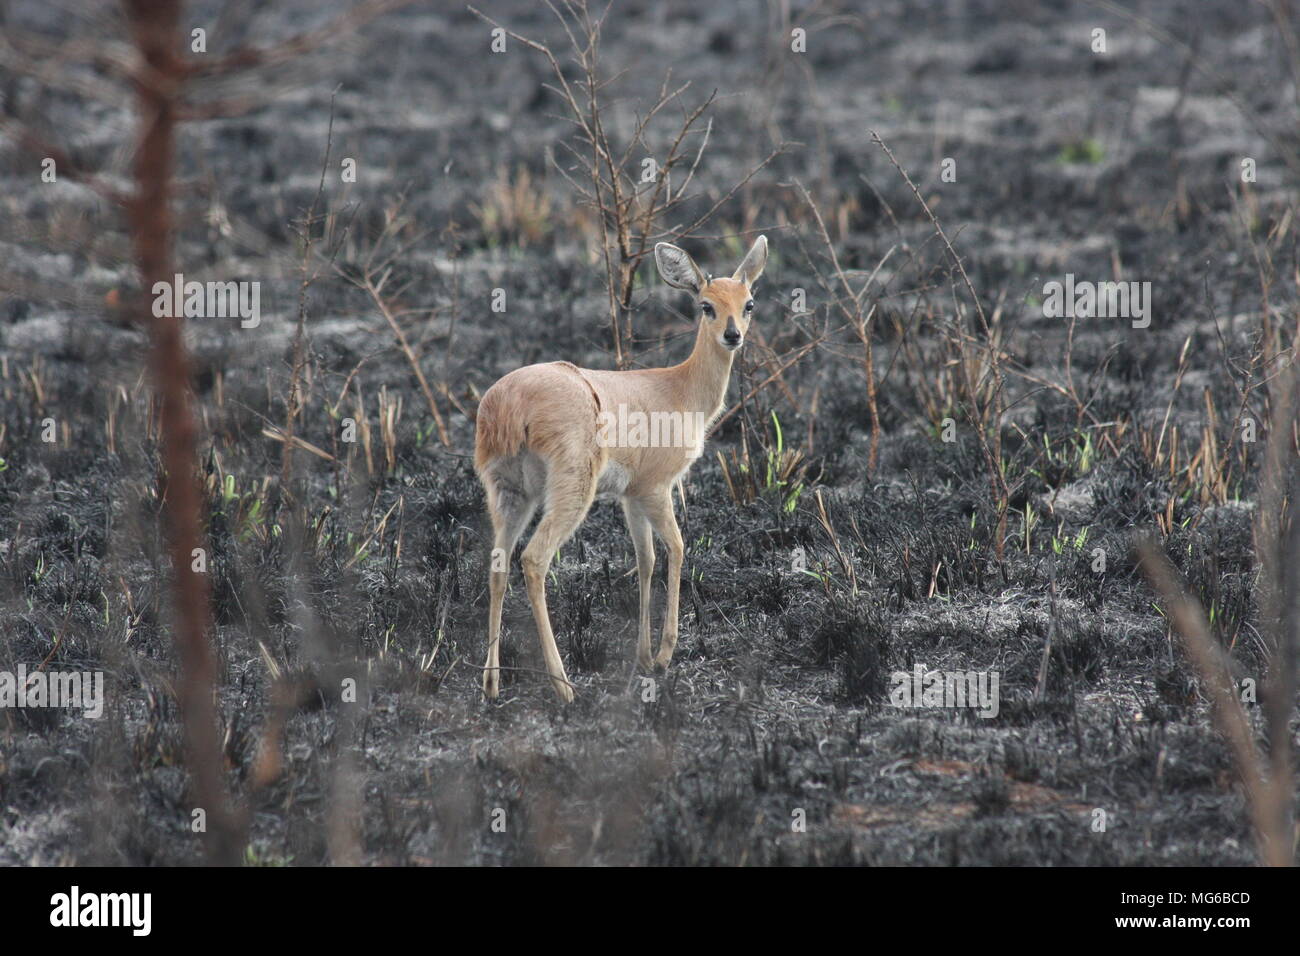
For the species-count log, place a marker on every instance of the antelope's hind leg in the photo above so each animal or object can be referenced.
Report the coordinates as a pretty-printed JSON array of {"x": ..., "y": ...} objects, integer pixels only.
[
  {"x": 569, "y": 493},
  {"x": 511, "y": 511}
]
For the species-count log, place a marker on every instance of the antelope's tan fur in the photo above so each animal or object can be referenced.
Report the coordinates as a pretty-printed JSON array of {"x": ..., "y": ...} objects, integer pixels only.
[{"x": 537, "y": 444}]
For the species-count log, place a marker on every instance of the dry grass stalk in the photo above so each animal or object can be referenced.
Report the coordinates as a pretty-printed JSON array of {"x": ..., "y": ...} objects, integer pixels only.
[{"x": 985, "y": 396}]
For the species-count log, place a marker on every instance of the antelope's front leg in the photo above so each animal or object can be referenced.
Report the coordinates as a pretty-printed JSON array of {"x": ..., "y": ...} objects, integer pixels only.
[
  {"x": 665, "y": 525},
  {"x": 639, "y": 527}
]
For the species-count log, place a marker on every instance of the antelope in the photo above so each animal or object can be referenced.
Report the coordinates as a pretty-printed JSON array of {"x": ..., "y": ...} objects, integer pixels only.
[{"x": 543, "y": 437}]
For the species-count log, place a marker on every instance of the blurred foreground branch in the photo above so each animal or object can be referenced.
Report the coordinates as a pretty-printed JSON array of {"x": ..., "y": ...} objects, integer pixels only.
[{"x": 1269, "y": 782}]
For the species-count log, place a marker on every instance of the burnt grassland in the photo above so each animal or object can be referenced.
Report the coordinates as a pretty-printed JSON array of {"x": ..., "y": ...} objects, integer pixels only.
[{"x": 823, "y": 553}]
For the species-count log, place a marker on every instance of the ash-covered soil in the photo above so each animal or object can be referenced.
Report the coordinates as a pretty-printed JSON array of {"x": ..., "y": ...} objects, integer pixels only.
[{"x": 772, "y": 739}]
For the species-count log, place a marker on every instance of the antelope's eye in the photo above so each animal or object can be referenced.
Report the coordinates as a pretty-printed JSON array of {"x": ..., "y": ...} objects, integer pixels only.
[
  {"x": 706, "y": 308},
  {"x": 749, "y": 306}
]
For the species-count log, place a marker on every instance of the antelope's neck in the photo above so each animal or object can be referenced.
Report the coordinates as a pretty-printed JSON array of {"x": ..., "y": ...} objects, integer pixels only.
[{"x": 705, "y": 374}]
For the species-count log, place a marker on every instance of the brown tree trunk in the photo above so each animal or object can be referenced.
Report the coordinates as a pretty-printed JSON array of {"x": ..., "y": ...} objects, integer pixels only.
[{"x": 155, "y": 25}]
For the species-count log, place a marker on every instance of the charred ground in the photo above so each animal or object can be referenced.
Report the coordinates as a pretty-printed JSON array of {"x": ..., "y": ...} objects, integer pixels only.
[{"x": 371, "y": 565}]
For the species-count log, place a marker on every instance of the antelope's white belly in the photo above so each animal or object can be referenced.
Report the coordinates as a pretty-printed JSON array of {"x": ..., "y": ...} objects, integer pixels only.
[{"x": 613, "y": 480}]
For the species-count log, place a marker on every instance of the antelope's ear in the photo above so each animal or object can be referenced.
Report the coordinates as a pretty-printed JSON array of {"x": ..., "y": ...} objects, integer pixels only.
[
  {"x": 678, "y": 268},
  {"x": 752, "y": 267}
]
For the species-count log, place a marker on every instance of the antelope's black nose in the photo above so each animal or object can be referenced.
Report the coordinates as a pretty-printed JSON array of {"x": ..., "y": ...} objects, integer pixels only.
[{"x": 731, "y": 336}]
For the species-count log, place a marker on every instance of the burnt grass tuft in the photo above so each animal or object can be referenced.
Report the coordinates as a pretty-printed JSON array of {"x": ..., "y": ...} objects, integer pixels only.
[{"x": 772, "y": 739}]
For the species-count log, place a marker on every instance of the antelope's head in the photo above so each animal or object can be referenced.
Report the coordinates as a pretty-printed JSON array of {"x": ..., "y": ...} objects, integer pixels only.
[{"x": 726, "y": 306}]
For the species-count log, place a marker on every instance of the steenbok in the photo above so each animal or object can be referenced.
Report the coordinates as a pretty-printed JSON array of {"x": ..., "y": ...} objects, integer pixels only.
[{"x": 561, "y": 436}]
